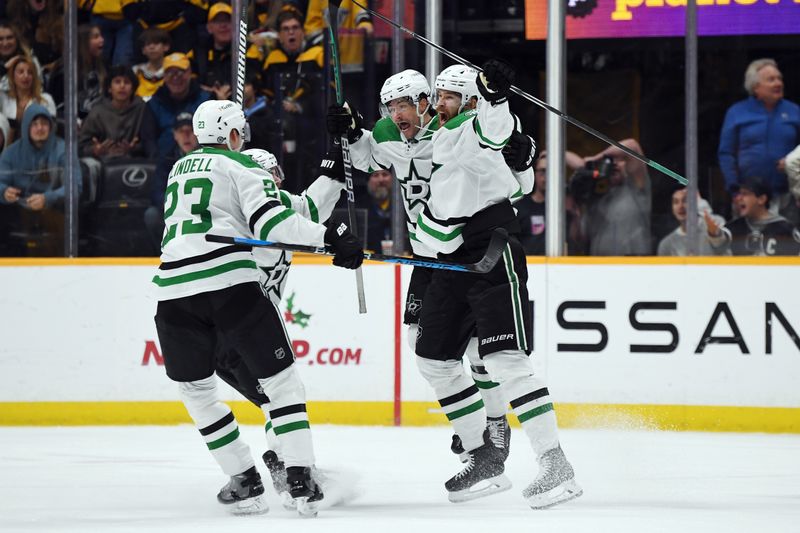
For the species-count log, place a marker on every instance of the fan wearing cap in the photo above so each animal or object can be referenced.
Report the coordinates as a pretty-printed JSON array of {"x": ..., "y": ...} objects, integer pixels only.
[
  {"x": 179, "y": 94},
  {"x": 212, "y": 56},
  {"x": 758, "y": 231},
  {"x": 185, "y": 142}
]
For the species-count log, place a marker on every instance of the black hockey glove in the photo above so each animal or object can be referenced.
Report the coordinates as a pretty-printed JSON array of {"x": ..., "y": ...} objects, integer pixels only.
[
  {"x": 495, "y": 80},
  {"x": 348, "y": 250},
  {"x": 520, "y": 152},
  {"x": 343, "y": 120},
  {"x": 332, "y": 165}
]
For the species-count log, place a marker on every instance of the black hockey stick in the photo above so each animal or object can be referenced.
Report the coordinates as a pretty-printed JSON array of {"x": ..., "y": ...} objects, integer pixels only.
[
  {"x": 487, "y": 262},
  {"x": 333, "y": 19},
  {"x": 544, "y": 105},
  {"x": 240, "y": 9}
]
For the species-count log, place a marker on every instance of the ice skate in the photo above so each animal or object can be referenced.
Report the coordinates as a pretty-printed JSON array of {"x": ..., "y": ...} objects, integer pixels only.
[
  {"x": 244, "y": 493},
  {"x": 304, "y": 490},
  {"x": 277, "y": 472},
  {"x": 499, "y": 433},
  {"x": 482, "y": 476},
  {"x": 555, "y": 483}
]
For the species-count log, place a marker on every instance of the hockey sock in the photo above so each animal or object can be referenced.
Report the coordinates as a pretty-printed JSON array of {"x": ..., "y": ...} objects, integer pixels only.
[
  {"x": 272, "y": 439},
  {"x": 459, "y": 398},
  {"x": 287, "y": 412},
  {"x": 528, "y": 395},
  {"x": 217, "y": 425},
  {"x": 493, "y": 397}
]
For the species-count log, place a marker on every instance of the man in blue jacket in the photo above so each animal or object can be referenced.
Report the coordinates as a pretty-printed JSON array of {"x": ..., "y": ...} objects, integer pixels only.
[
  {"x": 179, "y": 94},
  {"x": 32, "y": 176},
  {"x": 758, "y": 132}
]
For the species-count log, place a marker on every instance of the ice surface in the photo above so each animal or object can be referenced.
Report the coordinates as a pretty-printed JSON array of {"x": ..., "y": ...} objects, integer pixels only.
[{"x": 161, "y": 478}]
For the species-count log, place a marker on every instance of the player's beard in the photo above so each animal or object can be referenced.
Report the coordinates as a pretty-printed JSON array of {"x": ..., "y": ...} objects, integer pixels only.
[{"x": 380, "y": 193}]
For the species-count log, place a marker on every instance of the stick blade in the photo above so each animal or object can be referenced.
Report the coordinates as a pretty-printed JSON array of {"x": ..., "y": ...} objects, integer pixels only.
[
  {"x": 221, "y": 239},
  {"x": 493, "y": 252}
]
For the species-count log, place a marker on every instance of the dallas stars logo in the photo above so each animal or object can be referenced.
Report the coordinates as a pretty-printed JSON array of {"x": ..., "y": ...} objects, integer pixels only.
[
  {"x": 272, "y": 281},
  {"x": 295, "y": 317},
  {"x": 416, "y": 188}
]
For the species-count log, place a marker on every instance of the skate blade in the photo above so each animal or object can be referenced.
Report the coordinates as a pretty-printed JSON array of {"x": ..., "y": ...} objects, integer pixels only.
[
  {"x": 250, "y": 506},
  {"x": 569, "y": 490},
  {"x": 305, "y": 508},
  {"x": 487, "y": 487}
]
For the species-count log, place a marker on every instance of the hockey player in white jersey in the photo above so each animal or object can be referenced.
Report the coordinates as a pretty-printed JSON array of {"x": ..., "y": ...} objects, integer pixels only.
[
  {"x": 402, "y": 140},
  {"x": 316, "y": 204},
  {"x": 205, "y": 290},
  {"x": 470, "y": 191}
]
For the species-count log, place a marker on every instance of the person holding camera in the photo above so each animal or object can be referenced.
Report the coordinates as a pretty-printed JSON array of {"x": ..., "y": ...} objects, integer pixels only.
[{"x": 612, "y": 194}]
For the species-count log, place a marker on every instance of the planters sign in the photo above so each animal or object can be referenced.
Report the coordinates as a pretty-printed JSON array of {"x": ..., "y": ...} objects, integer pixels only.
[{"x": 666, "y": 18}]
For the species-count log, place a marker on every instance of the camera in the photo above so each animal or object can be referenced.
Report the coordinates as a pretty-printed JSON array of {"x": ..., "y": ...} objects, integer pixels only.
[{"x": 592, "y": 181}]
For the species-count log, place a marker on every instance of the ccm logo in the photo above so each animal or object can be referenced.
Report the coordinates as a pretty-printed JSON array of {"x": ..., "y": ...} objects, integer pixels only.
[{"x": 497, "y": 338}]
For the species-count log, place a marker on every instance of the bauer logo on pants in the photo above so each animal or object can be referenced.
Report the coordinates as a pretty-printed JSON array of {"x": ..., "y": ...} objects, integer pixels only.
[{"x": 497, "y": 338}]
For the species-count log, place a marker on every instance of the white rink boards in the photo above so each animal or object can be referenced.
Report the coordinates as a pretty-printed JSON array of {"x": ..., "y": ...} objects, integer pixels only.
[{"x": 621, "y": 332}]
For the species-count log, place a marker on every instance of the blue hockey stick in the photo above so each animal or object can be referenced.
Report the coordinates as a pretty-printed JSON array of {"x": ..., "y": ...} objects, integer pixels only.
[{"x": 487, "y": 262}]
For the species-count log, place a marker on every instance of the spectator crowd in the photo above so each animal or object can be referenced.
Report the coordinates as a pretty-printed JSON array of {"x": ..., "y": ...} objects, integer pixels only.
[{"x": 144, "y": 66}]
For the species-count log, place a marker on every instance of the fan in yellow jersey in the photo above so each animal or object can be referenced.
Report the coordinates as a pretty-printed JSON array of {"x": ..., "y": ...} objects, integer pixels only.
[{"x": 205, "y": 290}]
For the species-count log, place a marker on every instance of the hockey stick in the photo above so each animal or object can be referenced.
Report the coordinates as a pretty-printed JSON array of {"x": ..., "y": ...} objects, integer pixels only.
[
  {"x": 493, "y": 252},
  {"x": 333, "y": 18},
  {"x": 240, "y": 10},
  {"x": 544, "y": 105}
]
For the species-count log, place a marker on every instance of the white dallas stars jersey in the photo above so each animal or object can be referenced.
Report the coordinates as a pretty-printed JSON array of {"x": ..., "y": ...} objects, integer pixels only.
[
  {"x": 222, "y": 192},
  {"x": 385, "y": 147},
  {"x": 316, "y": 204},
  {"x": 469, "y": 174}
]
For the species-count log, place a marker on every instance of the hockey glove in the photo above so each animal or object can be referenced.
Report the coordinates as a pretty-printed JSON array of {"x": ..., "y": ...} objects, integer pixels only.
[
  {"x": 495, "y": 80},
  {"x": 332, "y": 164},
  {"x": 343, "y": 120},
  {"x": 519, "y": 152},
  {"x": 347, "y": 248}
]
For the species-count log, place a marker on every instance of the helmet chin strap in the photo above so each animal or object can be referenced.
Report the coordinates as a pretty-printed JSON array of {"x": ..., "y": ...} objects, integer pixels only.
[{"x": 421, "y": 116}]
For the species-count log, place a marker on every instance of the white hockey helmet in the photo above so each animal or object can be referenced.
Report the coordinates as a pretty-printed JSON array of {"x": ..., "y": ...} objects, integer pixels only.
[
  {"x": 214, "y": 119},
  {"x": 407, "y": 84},
  {"x": 459, "y": 79},
  {"x": 267, "y": 161}
]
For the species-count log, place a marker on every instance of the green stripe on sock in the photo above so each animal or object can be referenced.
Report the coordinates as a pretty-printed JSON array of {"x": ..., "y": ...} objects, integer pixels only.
[
  {"x": 268, "y": 426},
  {"x": 524, "y": 417},
  {"x": 294, "y": 426},
  {"x": 312, "y": 209},
  {"x": 486, "y": 384},
  {"x": 227, "y": 439},
  {"x": 465, "y": 410}
]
